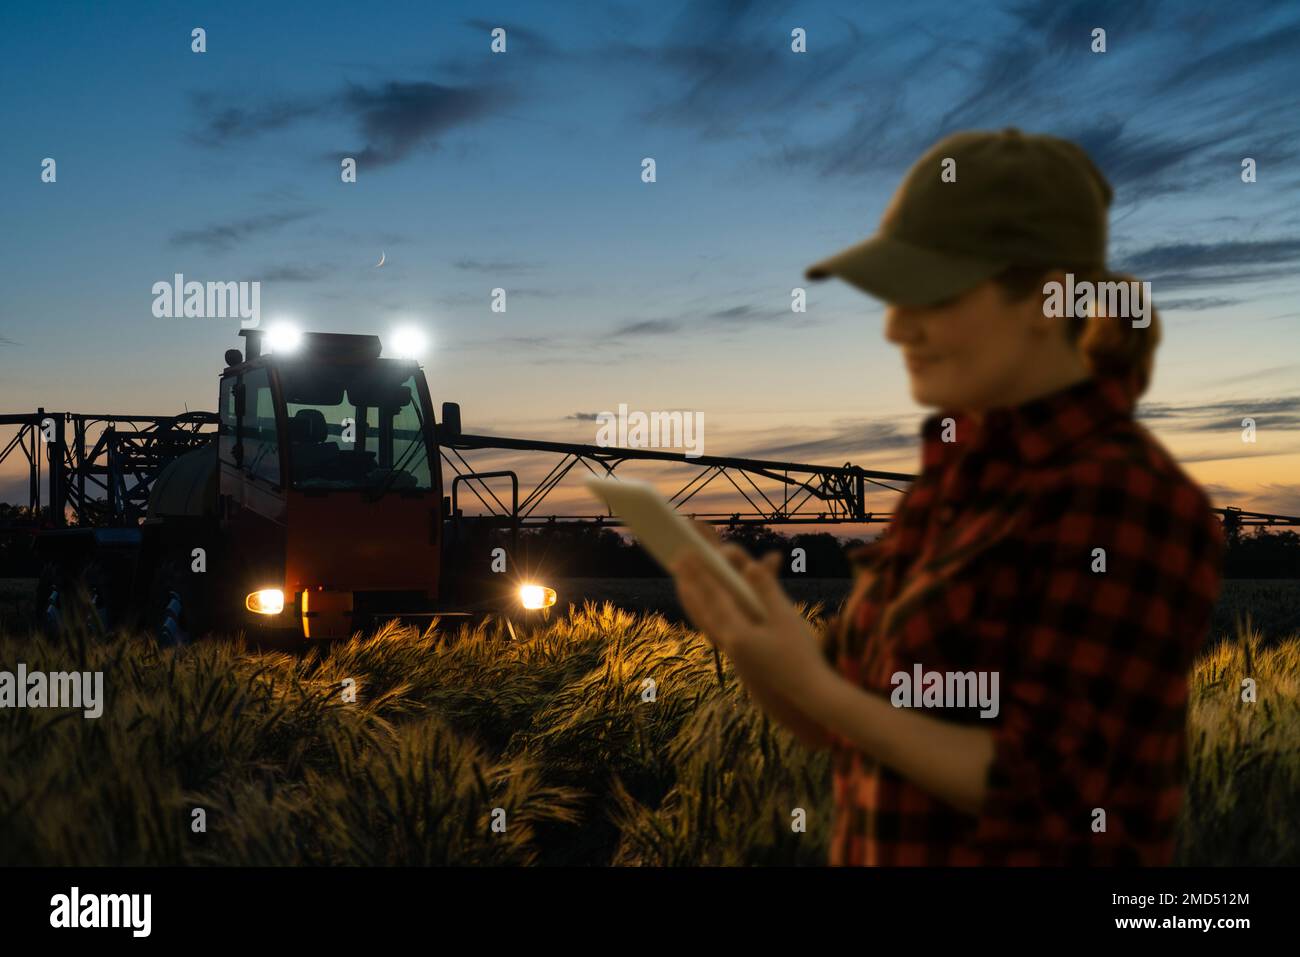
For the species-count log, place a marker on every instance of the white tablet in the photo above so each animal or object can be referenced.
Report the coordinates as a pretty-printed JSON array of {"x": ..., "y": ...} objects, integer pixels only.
[{"x": 667, "y": 534}]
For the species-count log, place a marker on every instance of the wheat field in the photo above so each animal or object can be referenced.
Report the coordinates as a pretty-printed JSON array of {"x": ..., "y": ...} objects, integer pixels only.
[{"x": 459, "y": 746}]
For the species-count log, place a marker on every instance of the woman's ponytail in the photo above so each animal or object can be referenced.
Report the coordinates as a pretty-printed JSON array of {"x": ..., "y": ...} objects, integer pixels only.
[{"x": 1124, "y": 344}]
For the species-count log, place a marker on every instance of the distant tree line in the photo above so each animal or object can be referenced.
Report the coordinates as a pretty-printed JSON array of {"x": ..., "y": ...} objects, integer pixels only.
[
  {"x": 1264, "y": 554},
  {"x": 601, "y": 552},
  {"x": 16, "y": 558}
]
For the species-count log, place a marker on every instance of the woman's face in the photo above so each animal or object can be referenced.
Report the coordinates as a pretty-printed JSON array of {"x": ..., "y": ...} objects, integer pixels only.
[{"x": 976, "y": 351}]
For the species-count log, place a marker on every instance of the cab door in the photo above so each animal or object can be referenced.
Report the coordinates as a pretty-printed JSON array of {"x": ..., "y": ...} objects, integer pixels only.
[{"x": 250, "y": 458}]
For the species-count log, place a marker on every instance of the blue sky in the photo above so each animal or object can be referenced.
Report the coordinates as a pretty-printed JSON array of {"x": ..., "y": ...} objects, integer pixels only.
[{"x": 523, "y": 170}]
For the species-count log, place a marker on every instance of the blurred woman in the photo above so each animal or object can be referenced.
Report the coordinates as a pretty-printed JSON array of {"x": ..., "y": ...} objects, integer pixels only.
[{"x": 1007, "y": 682}]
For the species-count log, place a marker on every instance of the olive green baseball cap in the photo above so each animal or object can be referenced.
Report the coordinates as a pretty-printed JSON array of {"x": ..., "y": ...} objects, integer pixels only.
[{"x": 1007, "y": 199}]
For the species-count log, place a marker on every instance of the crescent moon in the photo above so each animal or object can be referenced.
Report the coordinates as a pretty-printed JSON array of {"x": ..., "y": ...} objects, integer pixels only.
[{"x": 382, "y": 254}]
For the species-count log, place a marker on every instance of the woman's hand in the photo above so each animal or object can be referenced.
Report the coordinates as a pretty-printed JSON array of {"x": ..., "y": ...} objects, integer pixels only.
[
  {"x": 781, "y": 663},
  {"x": 781, "y": 654}
]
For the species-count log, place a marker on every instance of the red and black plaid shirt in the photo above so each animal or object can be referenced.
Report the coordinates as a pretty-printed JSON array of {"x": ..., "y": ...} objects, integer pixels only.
[{"x": 994, "y": 563}]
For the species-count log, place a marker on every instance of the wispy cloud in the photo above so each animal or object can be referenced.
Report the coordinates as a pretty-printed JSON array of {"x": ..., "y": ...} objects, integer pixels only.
[
  {"x": 225, "y": 123},
  {"x": 1182, "y": 265},
  {"x": 722, "y": 69},
  {"x": 747, "y": 315},
  {"x": 1258, "y": 375},
  {"x": 1278, "y": 498},
  {"x": 223, "y": 236},
  {"x": 1204, "y": 255},
  {"x": 1030, "y": 64},
  {"x": 534, "y": 44},
  {"x": 391, "y": 119},
  {"x": 500, "y": 345},
  {"x": 1273, "y": 498},
  {"x": 1225, "y": 416},
  {"x": 1238, "y": 56},
  {"x": 296, "y": 273},
  {"x": 481, "y": 300},
  {"x": 504, "y": 266},
  {"x": 738, "y": 317},
  {"x": 848, "y": 438},
  {"x": 1128, "y": 158},
  {"x": 648, "y": 327},
  {"x": 396, "y": 118},
  {"x": 1197, "y": 305}
]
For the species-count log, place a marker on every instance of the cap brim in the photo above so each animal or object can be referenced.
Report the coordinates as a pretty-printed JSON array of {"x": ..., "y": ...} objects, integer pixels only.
[{"x": 906, "y": 275}]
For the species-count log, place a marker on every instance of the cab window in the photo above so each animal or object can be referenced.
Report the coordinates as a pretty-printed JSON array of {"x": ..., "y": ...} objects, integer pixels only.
[
  {"x": 227, "y": 429},
  {"x": 257, "y": 430},
  {"x": 355, "y": 427}
]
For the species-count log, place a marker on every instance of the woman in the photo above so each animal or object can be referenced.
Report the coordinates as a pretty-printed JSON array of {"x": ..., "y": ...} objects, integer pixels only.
[{"x": 1051, "y": 554}]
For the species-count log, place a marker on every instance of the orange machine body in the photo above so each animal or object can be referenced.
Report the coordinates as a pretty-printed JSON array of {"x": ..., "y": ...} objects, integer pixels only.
[{"x": 331, "y": 550}]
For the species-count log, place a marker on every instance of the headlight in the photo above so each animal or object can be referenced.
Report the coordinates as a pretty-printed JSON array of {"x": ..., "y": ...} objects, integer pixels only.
[
  {"x": 268, "y": 601},
  {"x": 407, "y": 342},
  {"x": 536, "y": 596},
  {"x": 283, "y": 338}
]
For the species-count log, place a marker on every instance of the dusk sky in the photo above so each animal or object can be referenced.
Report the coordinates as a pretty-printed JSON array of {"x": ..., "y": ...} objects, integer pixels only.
[{"x": 523, "y": 170}]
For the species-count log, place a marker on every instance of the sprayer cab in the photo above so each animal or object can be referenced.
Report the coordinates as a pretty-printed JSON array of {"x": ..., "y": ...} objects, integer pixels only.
[{"x": 329, "y": 487}]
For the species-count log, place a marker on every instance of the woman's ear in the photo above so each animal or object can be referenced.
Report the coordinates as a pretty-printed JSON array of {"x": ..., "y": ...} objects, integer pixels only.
[{"x": 1046, "y": 307}]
